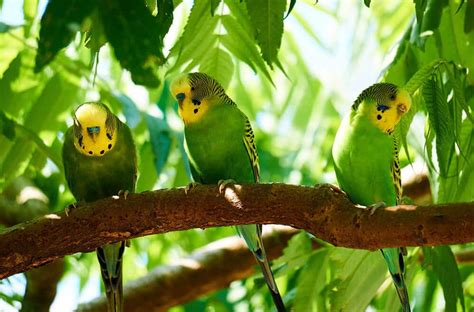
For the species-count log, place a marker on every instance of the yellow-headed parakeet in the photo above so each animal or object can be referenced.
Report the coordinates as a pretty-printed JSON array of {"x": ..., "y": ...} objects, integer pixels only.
[
  {"x": 100, "y": 160},
  {"x": 220, "y": 146},
  {"x": 366, "y": 160}
]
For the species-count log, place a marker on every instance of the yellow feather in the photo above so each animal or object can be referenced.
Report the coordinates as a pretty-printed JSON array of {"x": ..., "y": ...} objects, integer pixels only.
[
  {"x": 93, "y": 115},
  {"x": 190, "y": 112},
  {"x": 388, "y": 119}
]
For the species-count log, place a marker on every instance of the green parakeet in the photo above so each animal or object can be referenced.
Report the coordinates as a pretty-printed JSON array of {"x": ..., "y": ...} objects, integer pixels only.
[
  {"x": 100, "y": 160},
  {"x": 220, "y": 146},
  {"x": 366, "y": 160}
]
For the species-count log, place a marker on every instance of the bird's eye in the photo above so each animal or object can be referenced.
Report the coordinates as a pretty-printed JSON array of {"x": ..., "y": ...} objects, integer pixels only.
[{"x": 382, "y": 108}]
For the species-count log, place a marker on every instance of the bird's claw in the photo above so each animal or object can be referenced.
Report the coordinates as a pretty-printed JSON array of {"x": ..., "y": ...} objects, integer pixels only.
[
  {"x": 336, "y": 189},
  {"x": 376, "y": 206},
  {"x": 189, "y": 187},
  {"x": 223, "y": 184},
  {"x": 69, "y": 208},
  {"x": 121, "y": 193}
]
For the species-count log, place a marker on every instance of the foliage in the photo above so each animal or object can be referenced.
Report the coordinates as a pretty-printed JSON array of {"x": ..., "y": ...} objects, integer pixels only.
[{"x": 294, "y": 94}]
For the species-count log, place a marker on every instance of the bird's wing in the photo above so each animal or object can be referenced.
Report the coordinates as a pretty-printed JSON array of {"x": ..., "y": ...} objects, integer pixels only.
[
  {"x": 251, "y": 148},
  {"x": 396, "y": 176}
]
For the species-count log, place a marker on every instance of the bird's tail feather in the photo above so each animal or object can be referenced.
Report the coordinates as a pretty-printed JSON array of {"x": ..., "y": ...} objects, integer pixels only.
[
  {"x": 253, "y": 237},
  {"x": 110, "y": 260},
  {"x": 396, "y": 267}
]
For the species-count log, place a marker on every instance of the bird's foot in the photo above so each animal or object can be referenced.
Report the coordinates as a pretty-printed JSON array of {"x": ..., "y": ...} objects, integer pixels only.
[
  {"x": 190, "y": 186},
  {"x": 223, "y": 184},
  {"x": 70, "y": 208},
  {"x": 121, "y": 193},
  {"x": 376, "y": 206}
]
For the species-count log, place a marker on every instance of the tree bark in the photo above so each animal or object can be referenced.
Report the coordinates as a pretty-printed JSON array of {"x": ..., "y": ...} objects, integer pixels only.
[{"x": 322, "y": 211}]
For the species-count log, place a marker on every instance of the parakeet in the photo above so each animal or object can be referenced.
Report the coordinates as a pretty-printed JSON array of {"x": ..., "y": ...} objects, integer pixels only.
[
  {"x": 220, "y": 146},
  {"x": 366, "y": 160},
  {"x": 100, "y": 160}
]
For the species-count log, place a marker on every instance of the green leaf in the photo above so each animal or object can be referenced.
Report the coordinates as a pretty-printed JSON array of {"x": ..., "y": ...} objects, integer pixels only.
[
  {"x": 130, "y": 110},
  {"x": 290, "y": 7},
  {"x": 160, "y": 140},
  {"x": 469, "y": 17},
  {"x": 245, "y": 48},
  {"x": 422, "y": 75},
  {"x": 267, "y": 20},
  {"x": 420, "y": 7},
  {"x": 218, "y": 64},
  {"x": 312, "y": 282},
  {"x": 441, "y": 122},
  {"x": 30, "y": 7},
  {"x": 445, "y": 267},
  {"x": 60, "y": 22},
  {"x": 367, "y": 3},
  {"x": 432, "y": 15},
  {"x": 137, "y": 36},
  {"x": 147, "y": 176},
  {"x": 214, "y": 5},
  {"x": 95, "y": 37},
  {"x": 359, "y": 274},
  {"x": 7, "y": 126},
  {"x": 197, "y": 37}
]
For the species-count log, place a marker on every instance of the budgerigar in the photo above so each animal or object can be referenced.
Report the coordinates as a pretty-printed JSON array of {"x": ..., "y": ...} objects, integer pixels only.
[
  {"x": 366, "y": 160},
  {"x": 220, "y": 146},
  {"x": 100, "y": 160}
]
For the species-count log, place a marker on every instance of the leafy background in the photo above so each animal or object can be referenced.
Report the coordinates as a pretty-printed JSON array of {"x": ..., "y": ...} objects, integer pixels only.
[{"x": 293, "y": 73}]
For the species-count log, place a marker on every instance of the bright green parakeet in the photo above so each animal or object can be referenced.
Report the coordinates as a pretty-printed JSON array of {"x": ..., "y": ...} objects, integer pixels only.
[
  {"x": 366, "y": 160},
  {"x": 100, "y": 160},
  {"x": 220, "y": 146}
]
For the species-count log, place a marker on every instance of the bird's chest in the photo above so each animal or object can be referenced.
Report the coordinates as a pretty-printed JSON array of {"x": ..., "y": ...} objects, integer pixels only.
[{"x": 216, "y": 149}]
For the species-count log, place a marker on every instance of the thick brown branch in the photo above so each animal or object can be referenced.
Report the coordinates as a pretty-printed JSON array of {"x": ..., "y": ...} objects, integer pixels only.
[
  {"x": 321, "y": 210},
  {"x": 207, "y": 269}
]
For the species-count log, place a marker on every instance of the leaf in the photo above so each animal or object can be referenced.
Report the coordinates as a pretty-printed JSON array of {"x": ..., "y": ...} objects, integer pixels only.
[
  {"x": 147, "y": 176},
  {"x": 6, "y": 28},
  {"x": 445, "y": 267},
  {"x": 367, "y": 3},
  {"x": 422, "y": 75},
  {"x": 214, "y": 5},
  {"x": 420, "y": 7},
  {"x": 358, "y": 275},
  {"x": 218, "y": 64},
  {"x": 95, "y": 36},
  {"x": 60, "y": 22},
  {"x": 130, "y": 110},
  {"x": 30, "y": 7},
  {"x": 7, "y": 126},
  {"x": 311, "y": 282},
  {"x": 290, "y": 7},
  {"x": 441, "y": 122},
  {"x": 160, "y": 140},
  {"x": 137, "y": 36},
  {"x": 197, "y": 37},
  {"x": 469, "y": 17},
  {"x": 245, "y": 45},
  {"x": 432, "y": 15},
  {"x": 267, "y": 20}
]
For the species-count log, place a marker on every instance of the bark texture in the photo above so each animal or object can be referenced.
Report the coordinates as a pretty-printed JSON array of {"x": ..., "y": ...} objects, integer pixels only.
[{"x": 322, "y": 211}]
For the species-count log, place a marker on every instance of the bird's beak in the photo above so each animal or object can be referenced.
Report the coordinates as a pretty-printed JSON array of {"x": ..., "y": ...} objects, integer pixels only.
[
  {"x": 402, "y": 109},
  {"x": 93, "y": 132}
]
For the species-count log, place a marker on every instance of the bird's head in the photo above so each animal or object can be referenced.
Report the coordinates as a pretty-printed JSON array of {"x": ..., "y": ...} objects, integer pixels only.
[
  {"x": 196, "y": 93},
  {"x": 384, "y": 104},
  {"x": 94, "y": 129}
]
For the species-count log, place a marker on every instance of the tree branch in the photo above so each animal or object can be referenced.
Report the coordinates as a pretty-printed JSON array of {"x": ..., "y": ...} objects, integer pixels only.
[
  {"x": 205, "y": 270},
  {"x": 320, "y": 210}
]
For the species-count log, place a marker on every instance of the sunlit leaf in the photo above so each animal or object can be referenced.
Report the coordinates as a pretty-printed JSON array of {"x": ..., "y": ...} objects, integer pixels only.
[{"x": 267, "y": 20}]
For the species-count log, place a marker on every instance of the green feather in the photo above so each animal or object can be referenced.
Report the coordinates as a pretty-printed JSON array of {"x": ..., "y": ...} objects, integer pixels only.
[
  {"x": 92, "y": 178},
  {"x": 364, "y": 160},
  {"x": 220, "y": 146}
]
